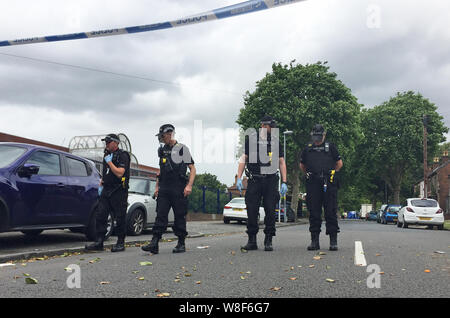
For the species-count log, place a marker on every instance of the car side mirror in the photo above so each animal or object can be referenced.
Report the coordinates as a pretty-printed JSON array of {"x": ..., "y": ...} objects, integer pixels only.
[{"x": 27, "y": 170}]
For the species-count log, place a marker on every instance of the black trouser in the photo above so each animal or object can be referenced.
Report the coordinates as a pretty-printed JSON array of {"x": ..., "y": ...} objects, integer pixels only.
[
  {"x": 116, "y": 204},
  {"x": 315, "y": 199},
  {"x": 267, "y": 189},
  {"x": 171, "y": 196}
]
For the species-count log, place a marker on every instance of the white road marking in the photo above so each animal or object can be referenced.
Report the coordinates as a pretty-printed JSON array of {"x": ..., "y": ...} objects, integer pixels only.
[
  {"x": 6, "y": 264},
  {"x": 360, "y": 259}
]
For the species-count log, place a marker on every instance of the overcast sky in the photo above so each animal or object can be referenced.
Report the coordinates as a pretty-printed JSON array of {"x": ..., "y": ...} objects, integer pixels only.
[{"x": 201, "y": 71}]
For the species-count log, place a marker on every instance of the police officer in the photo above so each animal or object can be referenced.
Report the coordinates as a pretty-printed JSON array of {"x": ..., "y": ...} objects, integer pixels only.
[
  {"x": 113, "y": 193},
  {"x": 263, "y": 156},
  {"x": 172, "y": 188},
  {"x": 320, "y": 161}
]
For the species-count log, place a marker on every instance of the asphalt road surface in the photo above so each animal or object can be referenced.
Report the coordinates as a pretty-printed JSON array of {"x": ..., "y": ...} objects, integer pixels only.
[{"x": 414, "y": 263}]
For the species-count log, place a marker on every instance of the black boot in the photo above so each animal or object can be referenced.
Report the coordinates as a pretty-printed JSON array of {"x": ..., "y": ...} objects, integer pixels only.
[
  {"x": 180, "y": 248},
  {"x": 268, "y": 243},
  {"x": 333, "y": 242},
  {"x": 251, "y": 244},
  {"x": 96, "y": 246},
  {"x": 314, "y": 242},
  {"x": 120, "y": 245},
  {"x": 153, "y": 246}
]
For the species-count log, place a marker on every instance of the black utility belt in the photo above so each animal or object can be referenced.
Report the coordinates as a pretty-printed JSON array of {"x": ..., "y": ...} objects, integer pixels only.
[{"x": 261, "y": 176}]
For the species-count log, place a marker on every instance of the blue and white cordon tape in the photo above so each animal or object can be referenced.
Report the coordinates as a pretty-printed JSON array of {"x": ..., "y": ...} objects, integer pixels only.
[{"x": 221, "y": 13}]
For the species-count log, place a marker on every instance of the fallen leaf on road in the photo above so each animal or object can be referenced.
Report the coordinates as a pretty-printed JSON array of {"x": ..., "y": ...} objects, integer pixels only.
[
  {"x": 381, "y": 273},
  {"x": 317, "y": 258},
  {"x": 275, "y": 288},
  {"x": 135, "y": 272},
  {"x": 439, "y": 252},
  {"x": 31, "y": 280},
  {"x": 187, "y": 274},
  {"x": 163, "y": 295},
  {"x": 25, "y": 274},
  {"x": 105, "y": 283},
  {"x": 177, "y": 280},
  {"x": 293, "y": 278},
  {"x": 330, "y": 280},
  {"x": 377, "y": 254},
  {"x": 311, "y": 266},
  {"x": 141, "y": 278},
  {"x": 203, "y": 247},
  {"x": 145, "y": 263},
  {"x": 233, "y": 253},
  {"x": 94, "y": 260},
  {"x": 427, "y": 271},
  {"x": 198, "y": 283},
  {"x": 243, "y": 277},
  {"x": 243, "y": 250}
]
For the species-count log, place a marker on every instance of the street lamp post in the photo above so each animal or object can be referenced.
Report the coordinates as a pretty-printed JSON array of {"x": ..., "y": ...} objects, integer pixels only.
[{"x": 287, "y": 132}]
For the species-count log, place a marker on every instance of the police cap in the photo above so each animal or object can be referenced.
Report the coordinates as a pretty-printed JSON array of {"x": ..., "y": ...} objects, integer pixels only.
[
  {"x": 164, "y": 129},
  {"x": 268, "y": 120},
  {"x": 111, "y": 137},
  {"x": 317, "y": 130}
]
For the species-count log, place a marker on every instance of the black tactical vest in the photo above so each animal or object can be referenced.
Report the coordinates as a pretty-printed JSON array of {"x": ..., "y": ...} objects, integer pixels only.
[
  {"x": 109, "y": 178},
  {"x": 255, "y": 167},
  {"x": 319, "y": 158},
  {"x": 170, "y": 171}
]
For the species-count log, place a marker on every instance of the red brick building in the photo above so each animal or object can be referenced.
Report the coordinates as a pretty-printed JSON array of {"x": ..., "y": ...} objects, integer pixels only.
[
  {"x": 438, "y": 183},
  {"x": 151, "y": 172},
  {"x": 234, "y": 191}
]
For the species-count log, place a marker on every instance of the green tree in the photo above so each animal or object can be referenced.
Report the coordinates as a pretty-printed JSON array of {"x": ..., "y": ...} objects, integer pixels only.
[
  {"x": 393, "y": 139},
  {"x": 299, "y": 96}
]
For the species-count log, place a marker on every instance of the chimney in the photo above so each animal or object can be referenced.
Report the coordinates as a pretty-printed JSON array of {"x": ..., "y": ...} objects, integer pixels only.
[{"x": 444, "y": 157}]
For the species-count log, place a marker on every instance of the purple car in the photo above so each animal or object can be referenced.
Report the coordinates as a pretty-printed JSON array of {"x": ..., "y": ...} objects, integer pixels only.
[{"x": 43, "y": 188}]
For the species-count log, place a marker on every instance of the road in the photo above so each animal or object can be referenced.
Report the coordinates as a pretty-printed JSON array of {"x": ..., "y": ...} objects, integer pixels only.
[{"x": 414, "y": 263}]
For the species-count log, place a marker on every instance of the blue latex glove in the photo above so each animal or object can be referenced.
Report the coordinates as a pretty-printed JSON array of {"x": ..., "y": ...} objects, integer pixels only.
[
  {"x": 108, "y": 158},
  {"x": 239, "y": 185},
  {"x": 100, "y": 189},
  {"x": 283, "y": 189}
]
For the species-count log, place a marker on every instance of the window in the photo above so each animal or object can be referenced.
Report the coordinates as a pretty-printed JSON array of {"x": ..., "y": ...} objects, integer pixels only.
[
  {"x": 8, "y": 154},
  {"x": 48, "y": 163},
  {"x": 424, "y": 203},
  {"x": 77, "y": 168}
]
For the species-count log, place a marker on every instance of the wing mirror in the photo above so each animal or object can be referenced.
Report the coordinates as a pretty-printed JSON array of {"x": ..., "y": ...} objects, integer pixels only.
[{"x": 27, "y": 170}]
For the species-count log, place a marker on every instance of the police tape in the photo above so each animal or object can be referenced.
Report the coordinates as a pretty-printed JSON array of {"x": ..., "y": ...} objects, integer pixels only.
[{"x": 217, "y": 14}]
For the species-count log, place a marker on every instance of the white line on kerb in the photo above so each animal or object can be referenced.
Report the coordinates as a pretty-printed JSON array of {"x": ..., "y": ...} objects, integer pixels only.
[{"x": 360, "y": 259}]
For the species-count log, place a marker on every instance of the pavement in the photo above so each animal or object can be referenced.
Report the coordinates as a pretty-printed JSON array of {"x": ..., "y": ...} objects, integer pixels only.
[{"x": 15, "y": 246}]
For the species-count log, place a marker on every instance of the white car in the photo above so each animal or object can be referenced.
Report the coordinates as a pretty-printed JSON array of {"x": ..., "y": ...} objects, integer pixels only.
[
  {"x": 236, "y": 210},
  {"x": 141, "y": 212},
  {"x": 422, "y": 212}
]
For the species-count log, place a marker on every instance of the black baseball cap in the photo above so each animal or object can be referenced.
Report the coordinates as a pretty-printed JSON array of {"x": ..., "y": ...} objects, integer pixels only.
[
  {"x": 164, "y": 129},
  {"x": 318, "y": 130},
  {"x": 268, "y": 120},
  {"x": 111, "y": 137}
]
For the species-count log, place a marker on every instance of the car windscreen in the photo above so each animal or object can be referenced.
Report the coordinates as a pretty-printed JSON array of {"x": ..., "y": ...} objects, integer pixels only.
[
  {"x": 138, "y": 186},
  {"x": 394, "y": 209},
  {"x": 9, "y": 154},
  {"x": 424, "y": 203},
  {"x": 238, "y": 201}
]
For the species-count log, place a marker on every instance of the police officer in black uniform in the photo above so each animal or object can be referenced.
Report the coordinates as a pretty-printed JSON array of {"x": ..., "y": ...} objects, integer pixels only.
[
  {"x": 172, "y": 188},
  {"x": 263, "y": 156},
  {"x": 113, "y": 193},
  {"x": 320, "y": 161}
]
